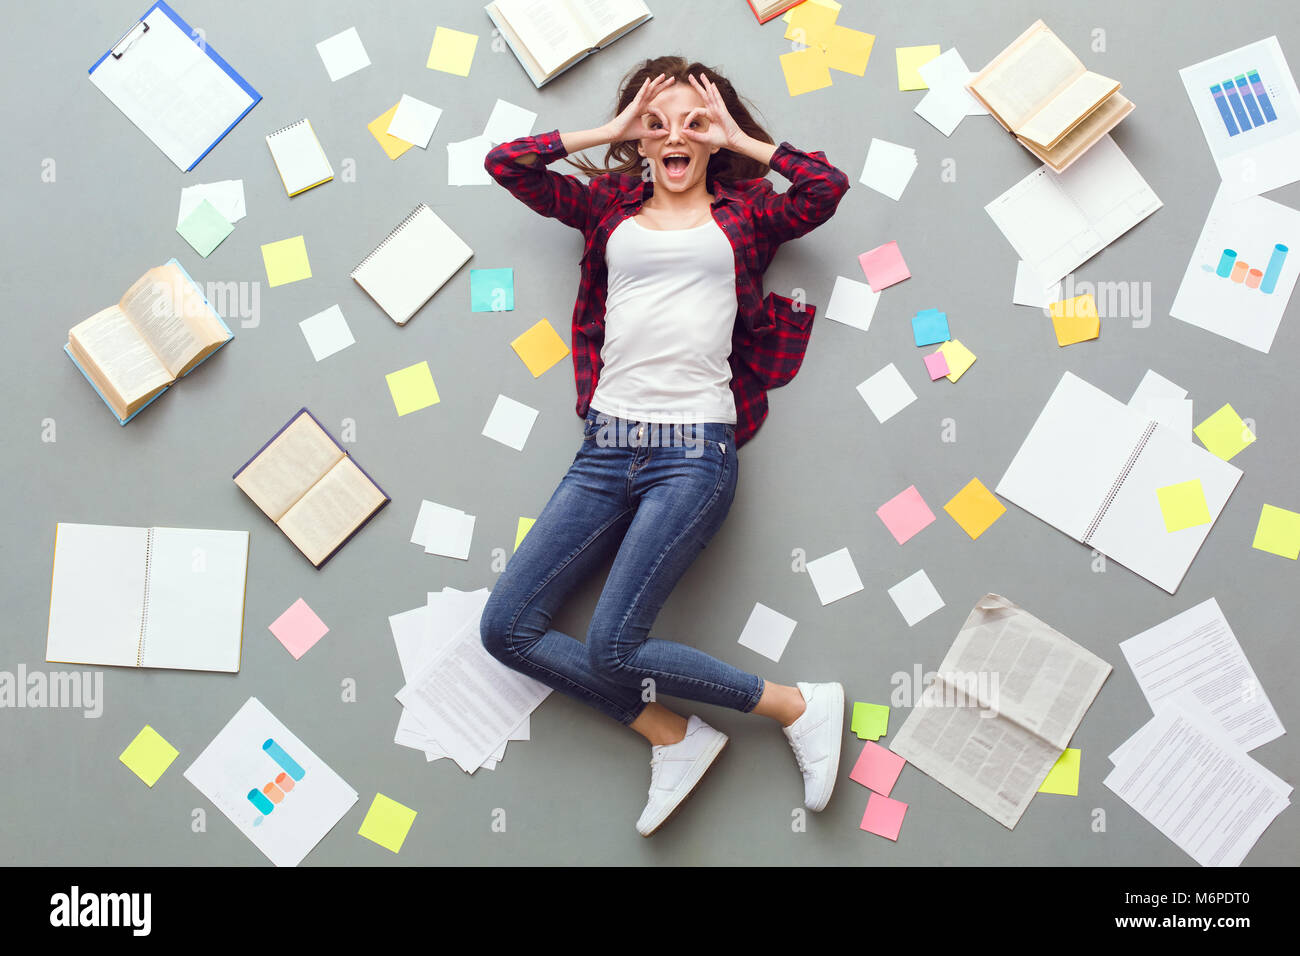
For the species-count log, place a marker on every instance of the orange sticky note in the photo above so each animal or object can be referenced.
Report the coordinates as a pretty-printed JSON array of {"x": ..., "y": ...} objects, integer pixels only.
[
  {"x": 540, "y": 347},
  {"x": 378, "y": 127},
  {"x": 1075, "y": 320},
  {"x": 975, "y": 508}
]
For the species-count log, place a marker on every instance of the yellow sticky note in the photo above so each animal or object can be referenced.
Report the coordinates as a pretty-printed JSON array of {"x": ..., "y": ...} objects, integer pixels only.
[
  {"x": 1183, "y": 505},
  {"x": 959, "y": 358},
  {"x": 540, "y": 347},
  {"x": 805, "y": 70},
  {"x": 911, "y": 59},
  {"x": 1278, "y": 532},
  {"x": 1224, "y": 433},
  {"x": 412, "y": 388},
  {"x": 975, "y": 508},
  {"x": 1063, "y": 778},
  {"x": 811, "y": 24},
  {"x": 831, "y": 4},
  {"x": 1075, "y": 320},
  {"x": 378, "y": 127},
  {"x": 452, "y": 51},
  {"x": 148, "y": 755},
  {"x": 387, "y": 822},
  {"x": 286, "y": 261},
  {"x": 525, "y": 525},
  {"x": 848, "y": 50}
]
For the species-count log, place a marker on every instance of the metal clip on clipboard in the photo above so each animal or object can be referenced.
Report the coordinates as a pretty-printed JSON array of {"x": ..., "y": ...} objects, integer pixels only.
[{"x": 128, "y": 39}]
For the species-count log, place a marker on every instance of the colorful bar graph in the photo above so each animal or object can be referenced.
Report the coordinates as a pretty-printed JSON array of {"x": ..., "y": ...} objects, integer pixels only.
[
  {"x": 287, "y": 763},
  {"x": 1225, "y": 263},
  {"x": 1274, "y": 269},
  {"x": 1247, "y": 97},
  {"x": 1221, "y": 101},
  {"x": 1234, "y": 101},
  {"x": 1261, "y": 95}
]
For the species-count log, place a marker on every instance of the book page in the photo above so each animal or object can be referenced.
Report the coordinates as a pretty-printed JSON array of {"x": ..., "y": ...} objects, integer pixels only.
[
  {"x": 1090, "y": 129},
  {"x": 195, "y": 616},
  {"x": 1026, "y": 76},
  {"x": 604, "y": 20},
  {"x": 331, "y": 510},
  {"x": 168, "y": 314},
  {"x": 97, "y": 594},
  {"x": 1067, "y": 109},
  {"x": 111, "y": 342},
  {"x": 291, "y": 463},
  {"x": 551, "y": 33}
]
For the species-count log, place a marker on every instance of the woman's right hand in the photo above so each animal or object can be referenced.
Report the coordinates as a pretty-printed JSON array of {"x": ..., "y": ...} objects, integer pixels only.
[{"x": 630, "y": 124}]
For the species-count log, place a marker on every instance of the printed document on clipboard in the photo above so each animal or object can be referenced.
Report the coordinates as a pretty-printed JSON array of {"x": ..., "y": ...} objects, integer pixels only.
[{"x": 174, "y": 87}]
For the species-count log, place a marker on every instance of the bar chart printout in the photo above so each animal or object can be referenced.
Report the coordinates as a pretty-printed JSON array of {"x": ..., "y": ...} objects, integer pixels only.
[
  {"x": 1243, "y": 102},
  {"x": 1235, "y": 270}
]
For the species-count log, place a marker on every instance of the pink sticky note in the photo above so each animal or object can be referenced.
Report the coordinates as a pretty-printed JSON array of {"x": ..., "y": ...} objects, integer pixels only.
[
  {"x": 937, "y": 365},
  {"x": 884, "y": 817},
  {"x": 884, "y": 266},
  {"x": 298, "y": 628},
  {"x": 905, "y": 514},
  {"x": 877, "y": 768}
]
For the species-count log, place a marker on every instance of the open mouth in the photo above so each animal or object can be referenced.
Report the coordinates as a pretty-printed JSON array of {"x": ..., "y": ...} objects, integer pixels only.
[{"x": 675, "y": 166}]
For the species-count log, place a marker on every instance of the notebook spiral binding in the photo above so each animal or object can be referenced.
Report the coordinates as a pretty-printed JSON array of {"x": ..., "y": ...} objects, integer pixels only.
[
  {"x": 144, "y": 612},
  {"x": 283, "y": 129},
  {"x": 1119, "y": 481},
  {"x": 388, "y": 238}
]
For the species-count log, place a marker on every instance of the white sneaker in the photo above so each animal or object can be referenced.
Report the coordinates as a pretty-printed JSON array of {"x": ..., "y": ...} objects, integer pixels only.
[
  {"x": 675, "y": 769},
  {"x": 815, "y": 739}
]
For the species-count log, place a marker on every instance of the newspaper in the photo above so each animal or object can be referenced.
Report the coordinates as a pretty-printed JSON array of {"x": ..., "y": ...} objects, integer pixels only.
[{"x": 1004, "y": 704}]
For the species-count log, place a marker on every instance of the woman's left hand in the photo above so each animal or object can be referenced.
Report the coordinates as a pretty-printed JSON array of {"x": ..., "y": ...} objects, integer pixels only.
[{"x": 723, "y": 131}]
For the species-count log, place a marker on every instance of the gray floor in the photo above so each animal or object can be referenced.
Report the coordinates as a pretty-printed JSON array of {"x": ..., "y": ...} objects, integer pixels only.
[{"x": 811, "y": 480}]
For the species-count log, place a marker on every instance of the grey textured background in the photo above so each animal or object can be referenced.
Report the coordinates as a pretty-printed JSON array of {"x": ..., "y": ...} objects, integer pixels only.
[{"x": 810, "y": 480}]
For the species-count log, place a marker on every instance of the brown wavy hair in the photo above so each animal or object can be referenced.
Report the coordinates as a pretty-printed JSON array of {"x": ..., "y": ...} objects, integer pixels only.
[{"x": 725, "y": 165}]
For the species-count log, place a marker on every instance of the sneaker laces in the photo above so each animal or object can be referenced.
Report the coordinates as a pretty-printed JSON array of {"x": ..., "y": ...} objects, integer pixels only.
[
  {"x": 656, "y": 761},
  {"x": 796, "y": 744}
]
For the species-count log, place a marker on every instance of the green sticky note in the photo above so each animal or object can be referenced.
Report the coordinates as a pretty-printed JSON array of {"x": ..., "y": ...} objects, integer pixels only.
[
  {"x": 148, "y": 755},
  {"x": 870, "y": 721},
  {"x": 412, "y": 388},
  {"x": 1224, "y": 433},
  {"x": 1183, "y": 505},
  {"x": 1063, "y": 778},
  {"x": 387, "y": 822},
  {"x": 205, "y": 228},
  {"x": 521, "y": 530},
  {"x": 286, "y": 261},
  {"x": 491, "y": 290},
  {"x": 1278, "y": 532}
]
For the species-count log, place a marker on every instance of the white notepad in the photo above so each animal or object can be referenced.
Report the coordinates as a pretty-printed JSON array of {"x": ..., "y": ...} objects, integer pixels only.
[
  {"x": 147, "y": 597},
  {"x": 1090, "y": 468},
  {"x": 411, "y": 264},
  {"x": 299, "y": 157}
]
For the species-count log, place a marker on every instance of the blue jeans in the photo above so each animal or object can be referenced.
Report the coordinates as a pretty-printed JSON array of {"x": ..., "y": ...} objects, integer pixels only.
[{"x": 655, "y": 494}]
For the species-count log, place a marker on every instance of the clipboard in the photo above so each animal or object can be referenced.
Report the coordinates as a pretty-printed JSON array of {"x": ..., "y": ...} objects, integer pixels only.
[{"x": 185, "y": 137}]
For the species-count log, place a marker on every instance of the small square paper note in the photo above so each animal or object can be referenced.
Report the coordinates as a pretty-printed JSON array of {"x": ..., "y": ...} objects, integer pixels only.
[{"x": 767, "y": 632}]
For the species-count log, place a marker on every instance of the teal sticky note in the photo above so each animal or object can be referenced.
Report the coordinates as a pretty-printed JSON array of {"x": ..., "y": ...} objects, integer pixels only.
[
  {"x": 205, "y": 228},
  {"x": 870, "y": 721},
  {"x": 930, "y": 326},
  {"x": 492, "y": 290}
]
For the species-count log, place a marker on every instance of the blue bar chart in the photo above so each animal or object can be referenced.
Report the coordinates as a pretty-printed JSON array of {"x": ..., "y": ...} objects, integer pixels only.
[{"x": 1243, "y": 102}]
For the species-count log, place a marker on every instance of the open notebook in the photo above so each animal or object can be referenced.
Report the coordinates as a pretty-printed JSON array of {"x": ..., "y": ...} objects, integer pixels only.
[
  {"x": 411, "y": 263},
  {"x": 1091, "y": 466},
  {"x": 147, "y": 597},
  {"x": 306, "y": 483}
]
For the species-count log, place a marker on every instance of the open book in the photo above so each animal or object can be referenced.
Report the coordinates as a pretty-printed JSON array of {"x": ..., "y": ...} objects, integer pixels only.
[
  {"x": 765, "y": 10},
  {"x": 306, "y": 483},
  {"x": 1091, "y": 467},
  {"x": 147, "y": 597},
  {"x": 158, "y": 332},
  {"x": 1039, "y": 90},
  {"x": 549, "y": 36}
]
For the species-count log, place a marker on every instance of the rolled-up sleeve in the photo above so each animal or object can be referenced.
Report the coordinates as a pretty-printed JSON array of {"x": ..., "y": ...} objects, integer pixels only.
[
  {"x": 557, "y": 195},
  {"x": 815, "y": 190}
]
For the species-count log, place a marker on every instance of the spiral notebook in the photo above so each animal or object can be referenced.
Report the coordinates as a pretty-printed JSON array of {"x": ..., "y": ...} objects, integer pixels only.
[
  {"x": 299, "y": 157},
  {"x": 413, "y": 262},
  {"x": 147, "y": 597},
  {"x": 1091, "y": 467}
]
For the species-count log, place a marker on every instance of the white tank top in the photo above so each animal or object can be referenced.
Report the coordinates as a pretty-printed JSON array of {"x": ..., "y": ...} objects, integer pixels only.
[{"x": 670, "y": 308}]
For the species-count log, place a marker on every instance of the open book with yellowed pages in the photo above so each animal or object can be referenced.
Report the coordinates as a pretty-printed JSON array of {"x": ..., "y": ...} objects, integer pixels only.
[
  {"x": 157, "y": 333},
  {"x": 308, "y": 484},
  {"x": 549, "y": 36},
  {"x": 1040, "y": 91}
]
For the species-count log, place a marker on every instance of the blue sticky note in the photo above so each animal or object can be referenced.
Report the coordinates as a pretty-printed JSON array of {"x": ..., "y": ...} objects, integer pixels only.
[
  {"x": 930, "y": 326},
  {"x": 492, "y": 290}
]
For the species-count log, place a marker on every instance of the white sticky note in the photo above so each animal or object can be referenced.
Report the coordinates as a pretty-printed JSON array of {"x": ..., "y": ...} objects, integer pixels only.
[
  {"x": 1155, "y": 385},
  {"x": 465, "y": 162},
  {"x": 767, "y": 632},
  {"x": 886, "y": 393},
  {"x": 915, "y": 597},
  {"x": 508, "y": 122},
  {"x": 852, "y": 303},
  {"x": 510, "y": 422},
  {"x": 1032, "y": 290},
  {"x": 941, "y": 109},
  {"x": 949, "y": 74},
  {"x": 443, "y": 530},
  {"x": 834, "y": 576},
  {"x": 1174, "y": 412},
  {"x": 414, "y": 121},
  {"x": 889, "y": 168},
  {"x": 343, "y": 54},
  {"x": 327, "y": 332},
  {"x": 226, "y": 196}
]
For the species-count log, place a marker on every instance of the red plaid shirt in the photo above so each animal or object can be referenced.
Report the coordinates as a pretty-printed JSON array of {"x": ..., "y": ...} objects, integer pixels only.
[{"x": 769, "y": 341}]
